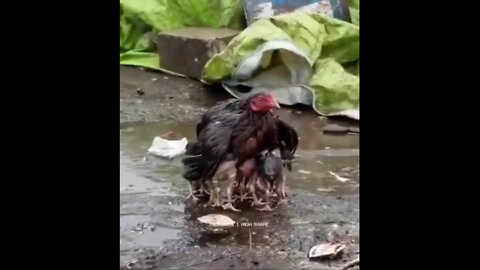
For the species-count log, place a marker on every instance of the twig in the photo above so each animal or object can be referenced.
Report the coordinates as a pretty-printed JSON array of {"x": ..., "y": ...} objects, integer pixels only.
[
  {"x": 250, "y": 249},
  {"x": 351, "y": 264},
  {"x": 250, "y": 239}
]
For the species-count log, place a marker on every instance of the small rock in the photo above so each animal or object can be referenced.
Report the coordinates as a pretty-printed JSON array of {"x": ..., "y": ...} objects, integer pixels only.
[{"x": 140, "y": 92}]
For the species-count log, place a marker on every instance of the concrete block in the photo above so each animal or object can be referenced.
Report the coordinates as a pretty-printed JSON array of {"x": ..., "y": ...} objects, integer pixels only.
[{"x": 187, "y": 50}]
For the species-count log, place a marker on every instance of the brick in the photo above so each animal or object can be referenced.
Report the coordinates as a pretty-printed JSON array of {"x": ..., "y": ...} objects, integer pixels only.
[{"x": 187, "y": 50}]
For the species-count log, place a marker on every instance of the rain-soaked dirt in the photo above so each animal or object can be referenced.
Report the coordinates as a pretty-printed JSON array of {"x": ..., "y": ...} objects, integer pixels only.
[{"x": 158, "y": 228}]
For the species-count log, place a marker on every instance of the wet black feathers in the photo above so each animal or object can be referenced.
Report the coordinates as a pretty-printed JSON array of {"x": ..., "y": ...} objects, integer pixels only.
[
  {"x": 230, "y": 130},
  {"x": 214, "y": 133},
  {"x": 229, "y": 106}
]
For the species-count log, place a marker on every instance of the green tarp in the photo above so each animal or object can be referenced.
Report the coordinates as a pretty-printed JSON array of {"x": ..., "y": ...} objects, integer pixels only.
[
  {"x": 315, "y": 57},
  {"x": 312, "y": 44},
  {"x": 354, "y": 6}
]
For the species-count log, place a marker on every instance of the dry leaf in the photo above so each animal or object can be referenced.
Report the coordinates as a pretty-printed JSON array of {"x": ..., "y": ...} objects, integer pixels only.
[{"x": 216, "y": 220}]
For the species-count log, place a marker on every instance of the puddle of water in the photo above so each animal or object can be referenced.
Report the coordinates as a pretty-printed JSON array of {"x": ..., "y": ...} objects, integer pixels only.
[
  {"x": 135, "y": 139},
  {"x": 134, "y": 181},
  {"x": 141, "y": 231},
  {"x": 318, "y": 154}
]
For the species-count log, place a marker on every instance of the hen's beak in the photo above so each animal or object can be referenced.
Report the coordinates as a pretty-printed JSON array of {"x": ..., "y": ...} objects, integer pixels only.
[{"x": 276, "y": 105}]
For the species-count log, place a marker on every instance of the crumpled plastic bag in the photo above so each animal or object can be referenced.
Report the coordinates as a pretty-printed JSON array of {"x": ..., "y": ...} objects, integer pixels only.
[{"x": 168, "y": 148}]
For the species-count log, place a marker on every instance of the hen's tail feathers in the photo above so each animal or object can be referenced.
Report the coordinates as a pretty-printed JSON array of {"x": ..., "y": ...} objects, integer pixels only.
[
  {"x": 289, "y": 143},
  {"x": 288, "y": 135},
  {"x": 195, "y": 165}
]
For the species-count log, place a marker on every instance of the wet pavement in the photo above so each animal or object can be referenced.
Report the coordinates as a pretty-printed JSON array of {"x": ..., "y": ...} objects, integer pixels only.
[{"x": 158, "y": 228}]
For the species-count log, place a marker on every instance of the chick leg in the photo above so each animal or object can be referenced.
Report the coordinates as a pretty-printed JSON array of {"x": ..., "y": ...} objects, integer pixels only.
[
  {"x": 204, "y": 188},
  {"x": 246, "y": 194},
  {"x": 260, "y": 185},
  {"x": 211, "y": 200},
  {"x": 242, "y": 189},
  {"x": 217, "y": 199},
  {"x": 256, "y": 201},
  {"x": 214, "y": 198},
  {"x": 267, "y": 200},
  {"x": 190, "y": 195},
  {"x": 283, "y": 187},
  {"x": 229, "y": 204},
  {"x": 280, "y": 198}
]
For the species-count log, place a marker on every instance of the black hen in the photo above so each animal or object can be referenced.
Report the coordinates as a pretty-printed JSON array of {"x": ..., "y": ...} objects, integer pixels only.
[{"x": 237, "y": 130}]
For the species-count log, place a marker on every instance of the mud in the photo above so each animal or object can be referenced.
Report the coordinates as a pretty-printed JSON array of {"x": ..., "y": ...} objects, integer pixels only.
[{"x": 158, "y": 228}]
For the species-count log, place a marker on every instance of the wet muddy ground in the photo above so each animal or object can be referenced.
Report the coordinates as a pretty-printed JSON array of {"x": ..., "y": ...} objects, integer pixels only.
[{"x": 158, "y": 228}]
